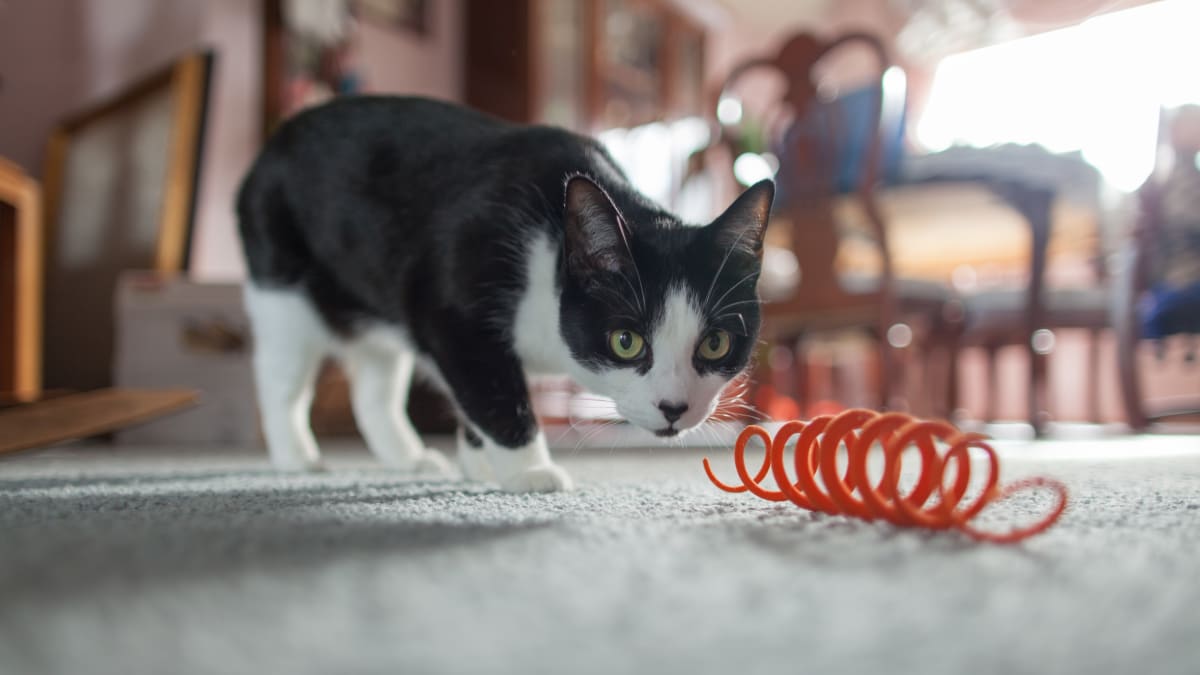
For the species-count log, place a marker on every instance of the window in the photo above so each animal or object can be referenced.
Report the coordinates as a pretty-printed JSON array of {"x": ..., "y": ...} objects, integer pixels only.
[{"x": 1095, "y": 88}]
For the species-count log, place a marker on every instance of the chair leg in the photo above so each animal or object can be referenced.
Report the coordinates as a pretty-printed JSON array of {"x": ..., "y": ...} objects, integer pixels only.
[
  {"x": 779, "y": 367},
  {"x": 1094, "y": 376},
  {"x": 925, "y": 403},
  {"x": 801, "y": 377},
  {"x": 1127, "y": 373},
  {"x": 993, "y": 386},
  {"x": 1037, "y": 392},
  {"x": 887, "y": 375},
  {"x": 950, "y": 402}
]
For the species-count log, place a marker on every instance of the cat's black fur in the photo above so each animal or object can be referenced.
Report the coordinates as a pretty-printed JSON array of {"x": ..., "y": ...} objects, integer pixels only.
[{"x": 415, "y": 213}]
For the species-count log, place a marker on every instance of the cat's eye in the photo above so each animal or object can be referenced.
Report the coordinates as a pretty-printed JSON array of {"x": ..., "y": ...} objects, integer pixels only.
[
  {"x": 715, "y": 345},
  {"x": 626, "y": 344}
]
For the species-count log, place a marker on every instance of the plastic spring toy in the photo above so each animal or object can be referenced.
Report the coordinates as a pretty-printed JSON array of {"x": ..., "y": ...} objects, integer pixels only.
[{"x": 851, "y": 491}]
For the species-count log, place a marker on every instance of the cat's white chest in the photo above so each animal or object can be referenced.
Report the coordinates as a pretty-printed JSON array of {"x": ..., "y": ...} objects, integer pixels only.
[{"x": 536, "y": 336}]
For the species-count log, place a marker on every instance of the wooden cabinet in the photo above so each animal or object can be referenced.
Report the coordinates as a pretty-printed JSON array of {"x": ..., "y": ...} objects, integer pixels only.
[{"x": 583, "y": 64}]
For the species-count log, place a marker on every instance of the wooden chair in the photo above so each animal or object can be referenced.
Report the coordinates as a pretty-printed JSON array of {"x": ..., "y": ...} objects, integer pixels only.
[
  {"x": 1134, "y": 276},
  {"x": 809, "y": 133},
  {"x": 1027, "y": 315},
  {"x": 20, "y": 284}
]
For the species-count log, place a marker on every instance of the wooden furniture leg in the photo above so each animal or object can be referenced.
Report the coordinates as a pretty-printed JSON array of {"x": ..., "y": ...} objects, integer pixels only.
[
  {"x": 1036, "y": 208},
  {"x": 993, "y": 385},
  {"x": 21, "y": 271},
  {"x": 1093, "y": 361}
]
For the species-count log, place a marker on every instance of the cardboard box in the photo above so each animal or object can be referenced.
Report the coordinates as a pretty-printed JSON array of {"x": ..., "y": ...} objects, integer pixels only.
[{"x": 172, "y": 332}]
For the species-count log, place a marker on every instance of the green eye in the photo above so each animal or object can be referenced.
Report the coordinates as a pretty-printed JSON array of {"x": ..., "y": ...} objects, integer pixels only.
[
  {"x": 715, "y": 345},
  {"x": 626, "y": 344}
]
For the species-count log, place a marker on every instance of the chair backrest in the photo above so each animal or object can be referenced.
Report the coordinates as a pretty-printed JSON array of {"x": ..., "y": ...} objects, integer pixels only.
[
  {"x": 1136, "y": 313},
  {"x": 826, "y": 145},
  {"x": 1167, "y": 232},
  {"x": 20, "y": 284}
]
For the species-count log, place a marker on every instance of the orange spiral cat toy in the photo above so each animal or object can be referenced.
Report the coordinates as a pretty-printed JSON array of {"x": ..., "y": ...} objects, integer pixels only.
[{"x": 852, "y": 492}]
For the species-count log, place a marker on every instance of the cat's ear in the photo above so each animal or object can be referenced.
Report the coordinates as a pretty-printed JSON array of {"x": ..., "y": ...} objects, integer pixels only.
[
  {"x": 596, "y": 239},
  {"x": 742, "y": 226}
]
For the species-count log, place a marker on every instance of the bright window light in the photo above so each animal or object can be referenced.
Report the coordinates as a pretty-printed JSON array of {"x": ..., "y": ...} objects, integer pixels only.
[
  {"x": 1095, "y": 88},
  {"x": 654, "y": 155},
  {"x": 749, "y": 168},
  {"x": 729, "y": 111},
  {"x": 895, "y": 83}
]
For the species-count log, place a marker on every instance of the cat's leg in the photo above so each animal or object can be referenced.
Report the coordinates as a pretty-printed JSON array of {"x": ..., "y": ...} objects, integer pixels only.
[
  {"x": 487, "y": 382},
  {"x": 290, "y": 342},
  {"x": 472, "y": 457},
  {"x": 379, "y": 381},
  {"x": 526, "y": 467}
]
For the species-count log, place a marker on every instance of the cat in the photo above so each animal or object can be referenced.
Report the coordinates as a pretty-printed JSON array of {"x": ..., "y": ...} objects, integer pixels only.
[{"x": 399, "y": 234}]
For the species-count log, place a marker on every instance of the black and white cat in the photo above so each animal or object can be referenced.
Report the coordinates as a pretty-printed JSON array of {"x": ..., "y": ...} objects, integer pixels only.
[{"x": 400, "y": 233}]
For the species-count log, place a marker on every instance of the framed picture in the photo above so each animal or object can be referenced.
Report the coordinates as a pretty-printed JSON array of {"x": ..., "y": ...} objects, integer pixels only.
[
  {"x": 409, "y": 15},
  {"x": 309, "y": 56},
  {"x": 120, "y": 187}
]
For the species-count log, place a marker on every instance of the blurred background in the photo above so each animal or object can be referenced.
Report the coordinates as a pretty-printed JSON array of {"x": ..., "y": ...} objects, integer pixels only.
[{"x": 988, "y": 209}]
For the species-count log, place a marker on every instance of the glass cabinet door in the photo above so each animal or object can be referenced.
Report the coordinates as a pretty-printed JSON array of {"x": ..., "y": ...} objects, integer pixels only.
[
  {"x": 630, "y": 55},
  {"x": 561, "y": 34}
]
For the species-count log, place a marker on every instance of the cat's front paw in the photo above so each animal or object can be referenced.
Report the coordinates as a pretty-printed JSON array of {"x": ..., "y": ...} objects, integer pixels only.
[
  {"x": 475, "y": 465},
  {"x": 433, "y": 463},
  {"x": 429, "y": 463},
  {"x": 543, "y": 478}
]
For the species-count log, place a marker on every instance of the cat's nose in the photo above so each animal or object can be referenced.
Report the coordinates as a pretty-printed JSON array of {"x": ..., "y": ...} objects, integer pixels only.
[{"x": 672, "y": 411}]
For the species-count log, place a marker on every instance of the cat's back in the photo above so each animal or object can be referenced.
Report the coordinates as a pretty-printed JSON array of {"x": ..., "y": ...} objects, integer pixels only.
[
  {"x": 355, "y": 131},
  {"x": 387, "y": 147}
]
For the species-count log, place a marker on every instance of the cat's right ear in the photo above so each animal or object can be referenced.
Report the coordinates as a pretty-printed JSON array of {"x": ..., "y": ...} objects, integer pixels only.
[
  {"x": 596, "y": 237},
  {"x": 744, "y": 223}
]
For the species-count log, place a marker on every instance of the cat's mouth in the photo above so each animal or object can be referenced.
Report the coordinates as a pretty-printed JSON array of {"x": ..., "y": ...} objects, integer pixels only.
[{"x": 669, "y": 432}]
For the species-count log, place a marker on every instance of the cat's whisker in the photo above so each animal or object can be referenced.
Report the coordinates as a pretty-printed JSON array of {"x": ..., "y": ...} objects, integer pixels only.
[
  {"x": 637, "y": 308},
  {"x": 712, "y": 434},
  {"x": 731, "y": 289},
  {"x": 571, "y": 426},
  {"x": 583, "y": 439},
  {"x": 628, "y": 249},
  {"x": 735, "y": 303},
  {"x": 592, "y": 433},
  {"x": 721, "y": 267}
]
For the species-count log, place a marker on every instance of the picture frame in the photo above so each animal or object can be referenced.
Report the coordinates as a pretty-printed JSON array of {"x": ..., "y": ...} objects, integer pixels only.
[
  {"x": 120, "y": 187},
  {"x": 311, "y": 48},
  {"x": 308, "y": 50},
  {"x": 407, "y": 15}
]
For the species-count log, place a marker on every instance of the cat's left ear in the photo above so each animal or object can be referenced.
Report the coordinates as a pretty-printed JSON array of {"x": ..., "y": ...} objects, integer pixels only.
[
  {"x": 596, "y": 238},
  {"x": 742, "y": 226}
]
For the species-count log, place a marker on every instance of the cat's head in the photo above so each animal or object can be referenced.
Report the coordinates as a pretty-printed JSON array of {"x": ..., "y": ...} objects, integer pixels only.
[{"x": 660, "y": 316}]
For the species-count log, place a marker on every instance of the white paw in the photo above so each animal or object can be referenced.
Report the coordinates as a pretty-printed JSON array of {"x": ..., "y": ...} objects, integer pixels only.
[
  {"x": 475, "y": 465},
  {"x": 543, "y": 478},
  {"x": 427, "y": 463},
  {"x": 433, "y": 463}
]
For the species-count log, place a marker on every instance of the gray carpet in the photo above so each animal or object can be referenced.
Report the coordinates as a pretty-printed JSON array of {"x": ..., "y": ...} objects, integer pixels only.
[{"x": 116, "y": 561}]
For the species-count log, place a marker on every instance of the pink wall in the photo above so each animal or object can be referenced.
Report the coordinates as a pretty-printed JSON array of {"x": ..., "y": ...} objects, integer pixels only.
[
  {"x": 58, "y": 56},
  {"x": 233, "y": 29},
  {"x": 397, "y": 62}
]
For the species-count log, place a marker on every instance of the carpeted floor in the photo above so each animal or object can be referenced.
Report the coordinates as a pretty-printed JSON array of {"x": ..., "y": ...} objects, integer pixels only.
[{"x": 122, "y": 561}]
